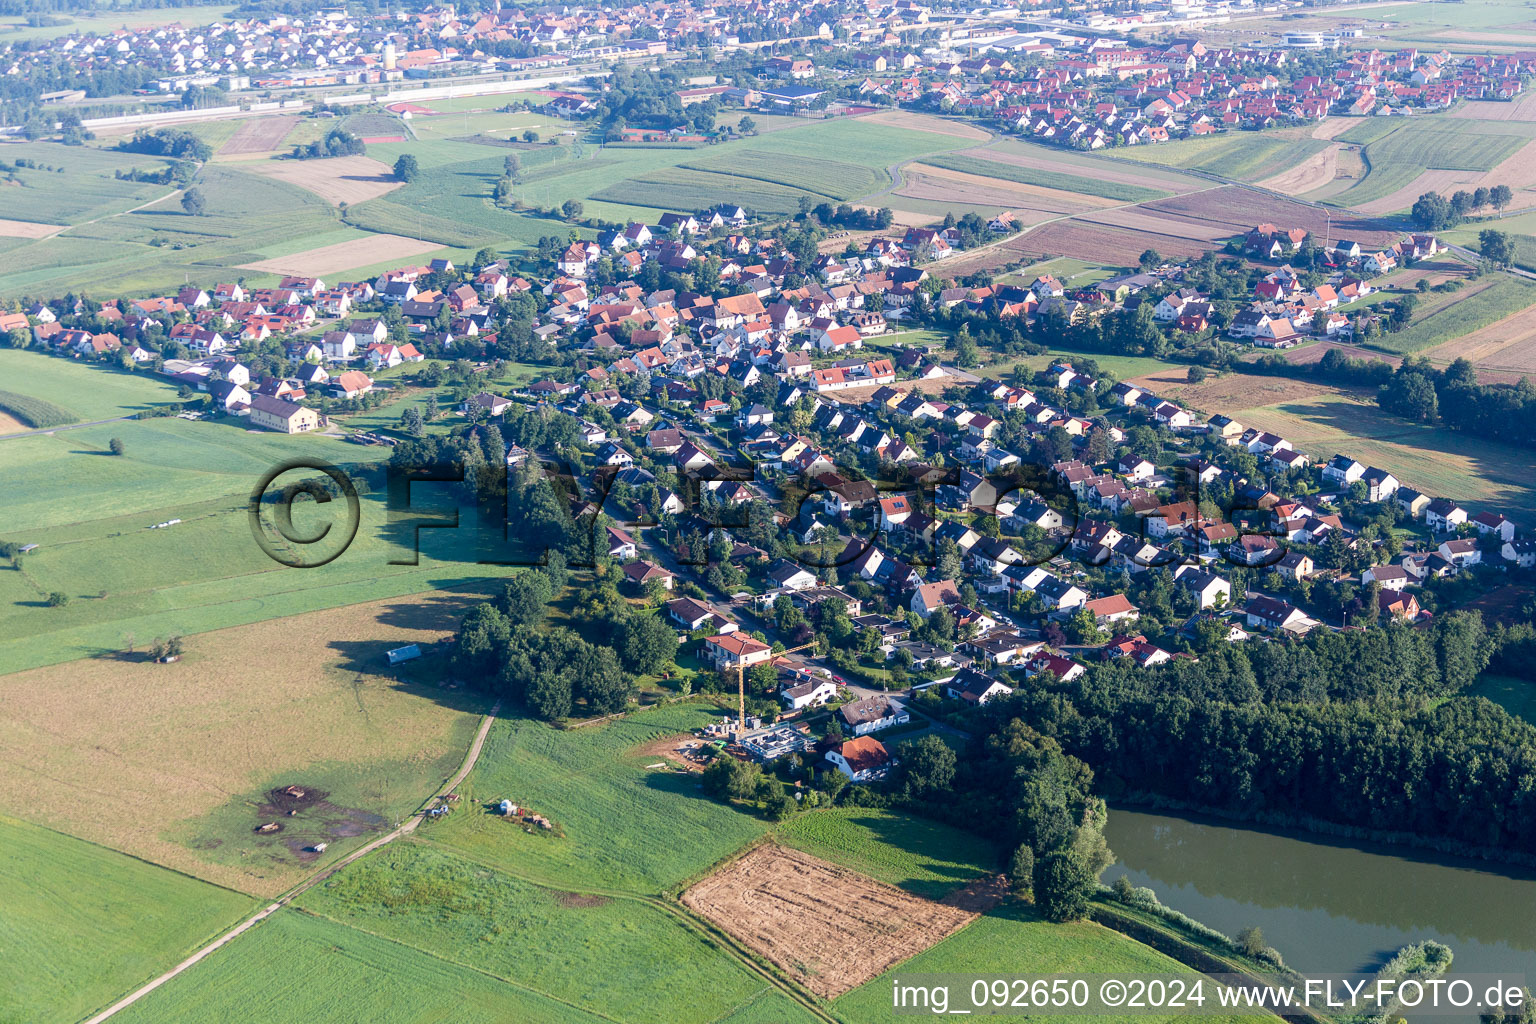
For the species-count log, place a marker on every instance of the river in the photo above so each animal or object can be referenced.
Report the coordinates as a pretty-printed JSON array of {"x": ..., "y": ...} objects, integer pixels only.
[{"x": 1330, "y": 907}]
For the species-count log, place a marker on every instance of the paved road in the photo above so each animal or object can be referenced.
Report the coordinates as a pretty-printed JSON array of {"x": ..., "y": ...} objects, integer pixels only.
[
  {"x": 71, "y": 426},
  {"x": 1462, "y": 250},
  {"x": 470, "y": 758}
]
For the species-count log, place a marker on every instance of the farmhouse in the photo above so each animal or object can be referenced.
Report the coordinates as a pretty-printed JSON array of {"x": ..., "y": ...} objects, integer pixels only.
[{"x": 282, "y": 416}]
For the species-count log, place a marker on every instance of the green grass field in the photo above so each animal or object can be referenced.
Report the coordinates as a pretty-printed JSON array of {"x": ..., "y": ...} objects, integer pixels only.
[
  {"x": 298, "y": 969},
  {"x": 1517, "y": 696},
  {"x": 1397, "y": 152},
  {"x": 34, "y": 412},
  {"x": 622, "y": 958},
  {"x": 1046, "y": 179},
  {"x": 88, "y": 392},
  {"x": 158, "y": 246},
  {"x": 1481, "y": 27},
  {"x": 86, "y": 189},
  {"x": 107, "y": 21},
  {"x": 1246, "y": 156},
  {"x": 80, "y": 923},
  {"x": 829, "y": 161},
  {"x": 622, "y": 822},
  {"x": 1507, "y": 295},
  {"x": 89, "y": 511},
  {"x": 923, "y": 857},
  {"x": 1012, "y": 941},
  {"x": 1521, "y": 228}
]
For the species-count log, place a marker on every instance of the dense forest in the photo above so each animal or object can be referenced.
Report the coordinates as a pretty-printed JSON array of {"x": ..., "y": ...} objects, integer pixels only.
[{"x": 1353, "y": 729}]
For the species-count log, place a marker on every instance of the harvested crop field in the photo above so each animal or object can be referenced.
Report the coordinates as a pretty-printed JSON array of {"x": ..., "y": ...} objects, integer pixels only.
[
  {"x": 1314, "y": 172},
  {"x": 1231, "y": 393},
  {"x": 1446, "y": 181},
  {"x": 1314, "y": 353},
  {"x": 259, "y": 135},
  {"x": 958, "y": 189},
  {"x": 1237, "y": 209},
  {"x": 11, "y": 425},
  {"x": 1139, "y": 219},
  {"x": 183, "y": 754},
  {"x": 1100, "y": 243},
  {"x": 1522, "y": 109},
  {"x": 330, "y": 259},
  {"x": 829, "y": 928},
  {"x": 1503, "y": 351},
  {"x": 27, "y": 229},
  {"x": 1332, "y": 128},
  {"x": 927, "y": 123},
  {"x": 342, "y": 179}
]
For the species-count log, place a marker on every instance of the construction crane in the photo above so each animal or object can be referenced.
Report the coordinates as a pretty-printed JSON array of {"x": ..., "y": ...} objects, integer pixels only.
[{"x": 741, "y": 687}]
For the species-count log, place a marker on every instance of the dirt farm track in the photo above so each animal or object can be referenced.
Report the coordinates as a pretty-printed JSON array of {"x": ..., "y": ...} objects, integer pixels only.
[{"x": 829, "y": 928}]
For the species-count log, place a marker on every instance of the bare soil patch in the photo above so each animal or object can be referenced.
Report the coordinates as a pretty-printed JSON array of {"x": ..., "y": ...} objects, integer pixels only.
[
  {"x": 27, "y": 229},
  {"x": 342, "y": 179},
  {"x": 928, "y": 123},
  {"x": 1314, "y": 172},
  {"x": 829, "y": 928},
  {"x": 581, "y": 900},
  {"x": 329, "y": 259},
  {"x": 11, "y": 425},
  {"x": 683, "y": 751},
  {"x": 259, "y": 135},
  {"x": 979, "y": 896},
  {"x": 126, "y": 753},
  {"x": 1239, "y": 209},
  {"x": 1101, "y": 243}
]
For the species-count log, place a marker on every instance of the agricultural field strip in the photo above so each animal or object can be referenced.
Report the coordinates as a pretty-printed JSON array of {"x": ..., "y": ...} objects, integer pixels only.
[
  {"x": 1508, "y": 295},
  {"x": 1071, "y": 183},
  {"x": 672, "y": 907},
  {"x": 1396, "y": 154},
  {"x": 470, "y": 757}
]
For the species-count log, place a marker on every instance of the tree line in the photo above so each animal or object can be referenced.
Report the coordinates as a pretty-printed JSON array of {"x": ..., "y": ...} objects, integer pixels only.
[{"x": 1359, "y": 730}]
